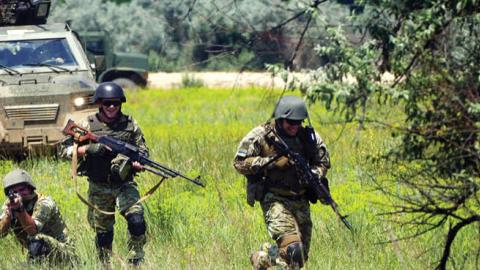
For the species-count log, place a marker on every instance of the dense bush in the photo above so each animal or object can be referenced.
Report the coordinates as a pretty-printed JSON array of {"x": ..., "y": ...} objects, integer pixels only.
[{"x": 204, "y": 34}]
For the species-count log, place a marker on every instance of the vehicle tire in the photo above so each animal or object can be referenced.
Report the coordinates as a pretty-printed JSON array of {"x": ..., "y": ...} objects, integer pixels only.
[{"x": 126, "y": 83}]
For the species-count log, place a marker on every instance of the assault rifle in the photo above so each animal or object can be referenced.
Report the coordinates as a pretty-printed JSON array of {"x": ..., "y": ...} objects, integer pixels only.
[
  {"x": 306, "y": 175},
  {"x": 132, "y": 152}
]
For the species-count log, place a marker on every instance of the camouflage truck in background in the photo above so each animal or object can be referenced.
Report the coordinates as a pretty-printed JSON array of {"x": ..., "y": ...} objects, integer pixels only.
[
  {"x": 129, "y": 70},
  {"x": 45, "y": 79}
]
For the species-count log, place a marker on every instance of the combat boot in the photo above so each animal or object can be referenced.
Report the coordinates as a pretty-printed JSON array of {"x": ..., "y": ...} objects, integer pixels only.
[
  {"x": 135, "y": 263},
  {"x": 266, "y": 257},
  {"x": 260, "y": 260},
  {"x": 136, "y": 252},
  {"x": 104, "y": 254}
]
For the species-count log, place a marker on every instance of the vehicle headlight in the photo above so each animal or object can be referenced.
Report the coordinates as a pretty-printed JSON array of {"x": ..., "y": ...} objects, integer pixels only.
[{"x": 78, "y": 102}]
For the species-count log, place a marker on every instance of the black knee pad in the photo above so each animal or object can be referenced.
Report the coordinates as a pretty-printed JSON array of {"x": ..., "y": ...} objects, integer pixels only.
[
  {"x": 295, "y": 254},
  {"x": 37, "y": 248},
  {"x": 104, "y": 239},
  {"x": 136, "y": 224}
]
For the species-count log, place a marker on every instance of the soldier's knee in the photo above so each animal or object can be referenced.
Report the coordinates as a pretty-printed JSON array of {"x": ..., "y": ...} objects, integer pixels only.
[
  {"x": 37, "y": 248},
  {"x": 104, "y": 239},
  {"x": 294, "y": 254},
  {"x": 291, "y": 250},
  {"x": 136, "y": 224}
]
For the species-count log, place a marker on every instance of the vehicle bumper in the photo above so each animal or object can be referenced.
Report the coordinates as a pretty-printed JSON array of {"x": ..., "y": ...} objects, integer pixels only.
[{"x": 23, "y": 137}]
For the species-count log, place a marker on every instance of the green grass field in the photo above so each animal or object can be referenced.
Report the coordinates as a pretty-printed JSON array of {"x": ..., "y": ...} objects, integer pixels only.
[{"x": 197, "y": 131}]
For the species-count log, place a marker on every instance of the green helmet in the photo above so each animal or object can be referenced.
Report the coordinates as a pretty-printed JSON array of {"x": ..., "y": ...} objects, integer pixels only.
[
  {"x": 291, "y": 107},
  {"x": 15, "y": 177}
]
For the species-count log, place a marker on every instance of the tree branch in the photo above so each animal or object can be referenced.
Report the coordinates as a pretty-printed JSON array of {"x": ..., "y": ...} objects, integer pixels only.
[{"x": 452, "y": 233}]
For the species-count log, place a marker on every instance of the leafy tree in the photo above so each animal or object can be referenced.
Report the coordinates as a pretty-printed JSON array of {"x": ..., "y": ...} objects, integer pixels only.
[
  {"x": 197, "y": 34},
  {"x": 432, "y": 48},
  {"x": 132, "y": 28}
]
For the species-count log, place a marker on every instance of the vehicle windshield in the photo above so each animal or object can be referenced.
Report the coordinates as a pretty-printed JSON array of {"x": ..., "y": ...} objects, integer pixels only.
[{"x": 24, "y": 53}]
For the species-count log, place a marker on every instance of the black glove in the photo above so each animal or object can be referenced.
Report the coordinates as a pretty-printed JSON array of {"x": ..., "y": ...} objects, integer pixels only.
[{"x": 96, "y": 149}]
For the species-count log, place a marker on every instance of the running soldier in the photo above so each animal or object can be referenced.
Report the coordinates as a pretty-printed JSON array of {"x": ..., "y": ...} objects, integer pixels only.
[
  {"x": 284, "y": 199},
  {"x": 108, "y": 187}
]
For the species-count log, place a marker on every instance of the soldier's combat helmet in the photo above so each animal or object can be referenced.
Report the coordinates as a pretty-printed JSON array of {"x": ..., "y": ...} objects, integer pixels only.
[
  {"x": 17, "y": 176},
  {"x": 291, "y": 107},
  {"x": 109, "y": 90}
]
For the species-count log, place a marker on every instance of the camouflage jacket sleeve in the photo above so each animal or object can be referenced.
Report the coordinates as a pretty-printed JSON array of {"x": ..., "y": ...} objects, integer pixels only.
[
  {"x": 139, "y": 139},
  {"x": 321, "y": 160},
  {"x": 4, "y": 225},
  {"x": 65, "y": 146},
  {"x": 43, "y": 211},
  {"x": 248, "y": 159}
]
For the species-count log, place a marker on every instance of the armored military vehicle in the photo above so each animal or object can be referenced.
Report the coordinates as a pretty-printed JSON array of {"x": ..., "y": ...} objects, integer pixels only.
[
  {"x": 129, "y": 70},
  {"x": 45, "y": 78}
]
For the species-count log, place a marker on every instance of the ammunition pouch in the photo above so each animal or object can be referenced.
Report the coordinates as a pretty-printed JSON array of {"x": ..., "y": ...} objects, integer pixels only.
[
  {"x": 121, "y": 167},
  {"x": 255, "y": 189}
]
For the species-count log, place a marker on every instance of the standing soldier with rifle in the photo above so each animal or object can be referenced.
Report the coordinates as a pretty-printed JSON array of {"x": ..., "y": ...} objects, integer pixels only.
[
  {"x": 35, "y": 220},
  {"x": 274, "y": 180},
  {"x": 110, "y": 178}
]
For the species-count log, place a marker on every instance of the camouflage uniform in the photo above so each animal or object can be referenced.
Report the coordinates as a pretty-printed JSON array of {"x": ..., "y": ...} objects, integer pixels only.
[
  {"x": 50, "y": 226},
  {"x": 284, "y": 201},
  {"x": 106, "y": 189}
]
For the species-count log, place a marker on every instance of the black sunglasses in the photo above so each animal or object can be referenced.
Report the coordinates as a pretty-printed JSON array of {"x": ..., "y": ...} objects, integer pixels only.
[
  {"x": 294, "y": 122},
  {"x": 109, "y": 103}
]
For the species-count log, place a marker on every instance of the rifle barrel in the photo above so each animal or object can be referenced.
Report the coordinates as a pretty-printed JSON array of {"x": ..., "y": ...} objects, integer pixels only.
[{"x": 171, "y": 172}]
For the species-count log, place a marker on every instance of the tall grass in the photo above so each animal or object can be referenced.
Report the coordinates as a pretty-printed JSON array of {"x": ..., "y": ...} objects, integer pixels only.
[{"x": 196, "y": 131}]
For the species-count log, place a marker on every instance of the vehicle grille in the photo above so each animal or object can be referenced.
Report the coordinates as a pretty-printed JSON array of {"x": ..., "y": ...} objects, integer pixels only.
[
  {"x": 37, "y": 112},
  {"x": 89, "y": 99}
]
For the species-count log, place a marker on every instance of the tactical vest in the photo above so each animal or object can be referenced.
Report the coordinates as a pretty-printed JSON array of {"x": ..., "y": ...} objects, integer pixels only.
[
  {"x": 287, "y": 179},
  {"x": 97, "y": 168}
]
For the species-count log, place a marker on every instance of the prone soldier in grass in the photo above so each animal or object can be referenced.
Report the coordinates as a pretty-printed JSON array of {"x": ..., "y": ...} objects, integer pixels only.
[
  {"x": 35, "y": 220},
  {"x": 110, "y": 182},
  {"x": 273, "y": 180}
]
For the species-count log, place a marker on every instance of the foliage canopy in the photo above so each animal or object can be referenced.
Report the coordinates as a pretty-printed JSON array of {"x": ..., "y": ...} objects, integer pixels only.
[
  {"x": 432, "y": 49},
  {"x": 204, "y": 34}
]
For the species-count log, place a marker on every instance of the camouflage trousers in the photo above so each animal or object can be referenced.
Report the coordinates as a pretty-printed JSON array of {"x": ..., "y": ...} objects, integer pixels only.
[
  {"x": 60, "y": 252},
  {"x": 106, "y": 197},
  {"x": 288, "y": 218}
]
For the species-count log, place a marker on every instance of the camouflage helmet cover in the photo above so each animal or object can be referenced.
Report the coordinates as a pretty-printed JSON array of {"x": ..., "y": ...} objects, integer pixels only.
[
  {"x": 291, "y": 107},
  {"x": 15, "y": 177},
  {"x": 109, "y": 90}
]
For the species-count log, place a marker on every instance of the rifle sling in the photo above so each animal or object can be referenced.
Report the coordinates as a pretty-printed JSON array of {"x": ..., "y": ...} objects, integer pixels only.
[{"x": 94, "y": 207}]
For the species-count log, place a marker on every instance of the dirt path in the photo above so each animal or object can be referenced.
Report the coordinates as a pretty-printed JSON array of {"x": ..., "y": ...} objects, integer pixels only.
[
  {"x": 216, "y": 79},
  {"x": 165, "y": 80}
]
